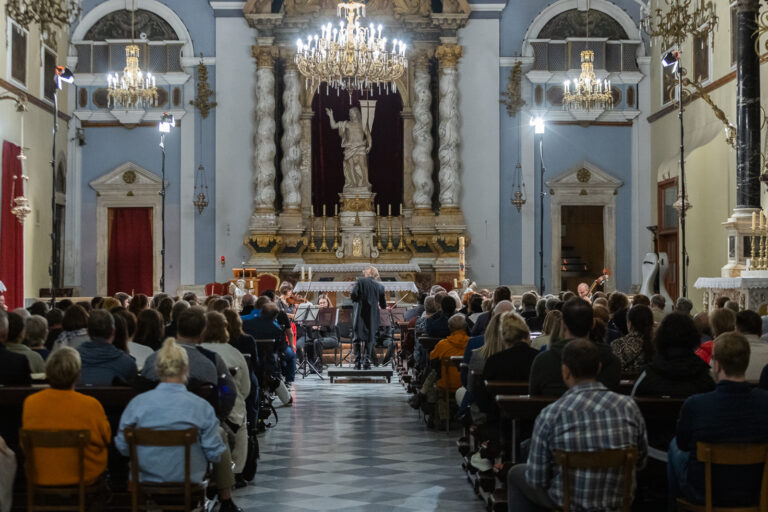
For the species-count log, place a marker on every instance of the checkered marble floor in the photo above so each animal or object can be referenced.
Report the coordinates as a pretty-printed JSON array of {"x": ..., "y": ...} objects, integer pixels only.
[{"x": 356, "y": 447}]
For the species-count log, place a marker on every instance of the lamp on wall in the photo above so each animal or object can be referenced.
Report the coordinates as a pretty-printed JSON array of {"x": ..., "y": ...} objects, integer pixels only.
[
  {"x": 538, "y": 129},
  {"x": 165, "y": 125}
]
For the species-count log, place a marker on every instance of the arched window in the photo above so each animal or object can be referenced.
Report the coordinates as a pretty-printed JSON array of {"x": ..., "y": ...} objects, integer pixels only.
[
  {"x": 558, "y": 45},
  {"x": 160, "y": 48}
]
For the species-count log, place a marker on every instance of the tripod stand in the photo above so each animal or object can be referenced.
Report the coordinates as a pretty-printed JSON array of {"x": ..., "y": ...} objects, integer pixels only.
[{"x": 306, "y": 318}]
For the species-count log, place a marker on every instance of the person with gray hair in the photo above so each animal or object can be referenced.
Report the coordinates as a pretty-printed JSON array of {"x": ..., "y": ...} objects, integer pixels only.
[
  {"x": 14, "y": 368},
  {"x": 170, "y": 329},
  {"x": 35, "y": 334},
  {"x": 367, "y": 296},
  {"x": 684, "y": 305},
  {"x": 103, "y": 363},
  {"x": 15, "y": 343}
]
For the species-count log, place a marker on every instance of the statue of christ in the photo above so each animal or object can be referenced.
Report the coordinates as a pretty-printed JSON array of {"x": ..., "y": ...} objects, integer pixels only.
[{"x": 356, "y": 142}]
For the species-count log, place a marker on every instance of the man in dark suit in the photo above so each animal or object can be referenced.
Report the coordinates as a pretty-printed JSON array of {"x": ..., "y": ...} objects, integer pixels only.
[
  {"x": 14, "y": 368},
  {"x": 368, "y": 297},
  {"x": 263, "y": 327}
]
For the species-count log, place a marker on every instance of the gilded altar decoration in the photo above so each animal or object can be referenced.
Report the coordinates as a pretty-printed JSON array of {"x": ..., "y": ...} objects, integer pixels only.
[
  {"x": 351, "y": 56},
  {"x": 204, "y": 92},
  {"x": 449, "y": 54},
  {"x": 512, "y": 98}
]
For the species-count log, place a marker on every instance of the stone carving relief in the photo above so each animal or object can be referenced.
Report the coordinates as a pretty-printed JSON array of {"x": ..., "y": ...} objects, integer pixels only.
[{"x": 290, "y": 142}]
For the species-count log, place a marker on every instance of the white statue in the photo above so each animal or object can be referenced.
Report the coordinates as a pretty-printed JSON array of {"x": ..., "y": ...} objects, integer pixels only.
[
  {"x": 238, "y": 292},
  {"x": 356, "y": 142}
]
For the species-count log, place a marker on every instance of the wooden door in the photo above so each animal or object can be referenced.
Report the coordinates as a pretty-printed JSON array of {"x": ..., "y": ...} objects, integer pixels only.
[
  {"x": 131, "y": 256},
  {"x": 668, "y": 232}
]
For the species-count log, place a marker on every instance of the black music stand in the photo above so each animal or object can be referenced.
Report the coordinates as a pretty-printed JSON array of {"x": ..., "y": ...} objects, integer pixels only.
[
  {"x": 344, "y": 330},
  {"x": 306, "y": 318}
]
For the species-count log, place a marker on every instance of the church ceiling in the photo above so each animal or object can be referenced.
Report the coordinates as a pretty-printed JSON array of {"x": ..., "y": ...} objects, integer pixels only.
[
  {"x": 117, "y": 25},
  {"x": 573, "y": 23}
]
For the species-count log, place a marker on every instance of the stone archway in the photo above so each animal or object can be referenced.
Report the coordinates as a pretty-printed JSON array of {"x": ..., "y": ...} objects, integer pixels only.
[{"x": 583, "y": 185}]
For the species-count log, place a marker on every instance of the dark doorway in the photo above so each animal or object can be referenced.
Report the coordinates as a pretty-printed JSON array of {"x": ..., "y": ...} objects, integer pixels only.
[
  {"x": 667, "y": 231},
  {"x": 582, "y": 245}
]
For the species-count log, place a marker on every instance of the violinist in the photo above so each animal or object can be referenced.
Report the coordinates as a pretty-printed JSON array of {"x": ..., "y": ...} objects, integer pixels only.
[{"x": 288, "y": 301}]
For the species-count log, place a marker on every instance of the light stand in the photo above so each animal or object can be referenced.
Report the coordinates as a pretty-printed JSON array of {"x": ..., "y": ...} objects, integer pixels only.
[
  {"x": 672, "y": 58},
  {"x": 166, "y": 122},
  {"x": 62, "y": 74},
  {"x": 538, "y": 124}
]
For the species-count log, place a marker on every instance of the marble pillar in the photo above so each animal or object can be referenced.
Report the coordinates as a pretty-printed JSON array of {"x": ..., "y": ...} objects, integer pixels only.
[
  {"x": 422, "y": 133},
  {"x": 264, "y": 154},
  {"x": 448, "y": 177},
  {"x": 290, "y": 142},
  {"x": 748, "y": 118}
]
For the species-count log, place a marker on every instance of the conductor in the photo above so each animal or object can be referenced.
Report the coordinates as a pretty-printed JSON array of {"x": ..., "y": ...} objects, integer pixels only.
[{"x": 368, "y": 297}]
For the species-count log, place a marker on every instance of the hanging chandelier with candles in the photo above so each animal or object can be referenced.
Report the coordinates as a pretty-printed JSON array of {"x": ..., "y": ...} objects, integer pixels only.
[
  {"x": 351, "y": 56},
  {"x": 134, "y": 89},
  {"x": 587, "y": 92}
]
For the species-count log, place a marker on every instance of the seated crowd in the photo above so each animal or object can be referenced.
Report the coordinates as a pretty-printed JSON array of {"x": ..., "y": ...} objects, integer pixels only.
[
  {"x": 193, "y": 366},
  {"x": 593, "y": 356}
]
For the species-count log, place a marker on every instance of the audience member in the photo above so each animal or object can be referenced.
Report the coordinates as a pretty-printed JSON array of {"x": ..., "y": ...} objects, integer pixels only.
[
  {"x": 102, "y": 363},
  {"x": 550, "y": 331},
  {"x": 190, "y": 298},
  {"x": 588, "y": 417},
  {"x": 618, "y": 305},
  {"x": 536, "y": 323},
  {"x": 721, "y": 301},
  {"x": 164, "y": 307},
  {"x": 39, "y": 308},
  {"x": 437, "y": 324},
  {"x": 675, "y": 370},
  {"x": 264, "y": 327},
  {"x": 636, "y": 349},
  {"x": 475, "y": 308},
  {"x": 110, "y": 303},
  {"x": 138, "y": 303},
  {"x": 86, "y": 305},
  {"x": 733, "y": 306},
  {"x": 658, "y": 305},
  {"x": 14, "y": 368},
  {"x": 513, "y": 362},
  {"x": 721, "y": 320},
  {"x": 120, "y": 340},
  {"x": 546, "y": 375},
  {"x": 170, "y": 329},
  {"x": 64, "y": 304},
  {"x": 601, "y": 313},
  {"x": 599, "y": 301},
  {"x": 733, "y": 413},
  {"x": 749, "y": 324},
  {"x": 54, "y": 317},
  {"x": 97, "y": 302},
  {"x": 701, "y": 321},
  {"x": 499, "y": 294},
  {"x": 528, "y": 302},
  {"x": 170, "y": 406},
  {"x": 124, "y": 298},
  {"x": 683, "y": 306},
  {"x": 440, "y": 378},
  {"x": 215, "y": 338},
  {"x": 137, "y": 351},
  {"x": 492, "y": 344},
  {"x": 35, "y": 334},
  {"x": 641, "y": 300},
  {"x": 430, "y": 308},
  {"x": 15, "y": 343},
  {"x": 150, "y": 329},
  {"x": 418, "y": 310},
  {"x": 60, "y": 407},
  {"x": 583, "y": 292},
  {"x": 74, "y": 328}
]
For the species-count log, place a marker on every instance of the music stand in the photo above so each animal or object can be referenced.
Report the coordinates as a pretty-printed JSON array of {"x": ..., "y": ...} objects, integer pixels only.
[
  {"x": 306, "y": 317},
  {"x": 344, "y": 323}
]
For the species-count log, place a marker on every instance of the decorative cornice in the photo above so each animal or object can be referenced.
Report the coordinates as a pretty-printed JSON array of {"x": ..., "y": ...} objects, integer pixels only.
[{"x": 449, "y": 55}]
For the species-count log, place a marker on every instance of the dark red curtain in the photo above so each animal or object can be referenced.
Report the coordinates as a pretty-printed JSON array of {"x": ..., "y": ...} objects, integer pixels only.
[
  {"x": 385, "y": 161},
  {"x": 11, "y": 230},
  {"x": 131, "y": 261}
]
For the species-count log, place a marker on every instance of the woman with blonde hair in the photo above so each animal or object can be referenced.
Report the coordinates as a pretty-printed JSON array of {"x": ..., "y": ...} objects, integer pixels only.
[
  {"x": 215, "y": 339},
  {"x": 550, "y": 331}
]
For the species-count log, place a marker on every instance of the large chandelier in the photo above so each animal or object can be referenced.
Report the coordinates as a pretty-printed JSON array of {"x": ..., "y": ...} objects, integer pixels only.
[
  {"x": 351, "y": 56},
  {"x": 134, "y": 89},
  {"x": 46, "y": 13},
  {"x": 588, "y": 92}
]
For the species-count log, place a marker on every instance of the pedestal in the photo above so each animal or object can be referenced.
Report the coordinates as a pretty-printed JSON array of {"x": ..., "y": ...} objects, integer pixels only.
[
  {"x": 739, "y": 228},
  {"x": 749, "y": 291},
  {"x": 357, "y": 224}
]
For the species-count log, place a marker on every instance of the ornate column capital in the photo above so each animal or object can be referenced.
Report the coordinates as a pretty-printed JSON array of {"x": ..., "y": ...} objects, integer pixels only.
[
  {"x": 264, "y": 55},
  {"x": 449, "y": 55},
  {"x": 420, "y": 57},
  {"x": 289, "y": 57}
]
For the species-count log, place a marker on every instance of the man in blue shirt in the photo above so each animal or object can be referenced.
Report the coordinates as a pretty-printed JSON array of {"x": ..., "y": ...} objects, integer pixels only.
[
  {"x": 103, "y": 363},
  {"x": 733, "y": 413}
]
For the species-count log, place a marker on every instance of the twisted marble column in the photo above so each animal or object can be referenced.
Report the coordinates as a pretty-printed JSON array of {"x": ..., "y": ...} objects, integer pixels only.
[
  {"x": 264, "y": 154},
  {"x": 422, "y": 133},
  {"x": 290, "y": 142},
  {"x": 450, "y": 186},
  {"x": 748, "y": 118}
]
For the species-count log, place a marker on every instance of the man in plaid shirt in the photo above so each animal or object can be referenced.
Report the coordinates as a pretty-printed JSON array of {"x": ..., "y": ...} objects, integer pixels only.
[{"x": 588, "y": 417}]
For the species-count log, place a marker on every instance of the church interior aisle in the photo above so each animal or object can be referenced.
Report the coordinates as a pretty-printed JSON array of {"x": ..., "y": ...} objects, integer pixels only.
[{"x": 356, "y": 447}]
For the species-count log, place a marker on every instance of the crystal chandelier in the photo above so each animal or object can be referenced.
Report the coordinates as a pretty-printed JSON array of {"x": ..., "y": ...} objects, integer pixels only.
[
  {"x": 46, "y": 13},
  {"x": 134, "y": 89},
  {"x": 351, "y": 56},
  {"x": 588, "y": 92},
  {"x": 672, "y": 25}
]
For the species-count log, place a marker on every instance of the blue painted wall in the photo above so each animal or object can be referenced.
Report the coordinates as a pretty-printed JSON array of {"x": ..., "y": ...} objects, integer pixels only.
[
  {"x": 107, "y": 149},
  {"x": 205, "y": 223}
]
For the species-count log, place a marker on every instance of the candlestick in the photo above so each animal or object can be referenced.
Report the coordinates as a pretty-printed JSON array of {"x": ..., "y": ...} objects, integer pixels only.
[
  {"x": 378, "y": 213},
  {"x": 379, "y": 245},
  {"x": 312, "y": 246},
  {"x": 335, "y": 234},
  {"x": 455, "y": 283},
  {"x": 462, "y": 259},
  {"x": 390, "y": 245},
  {"x": 336, "y": 210},
  {"x": 310, "y": 272},
  {"x": 401, "y": 244},
  {"x": 389, "y": 210},
  {"x": 323, "y": 210},
  {"x": 324, "y": 245},
  {"x": 401, "y": 209},
  {"x": 754, "y": 219},
  {"x": 302, "y": 272}
]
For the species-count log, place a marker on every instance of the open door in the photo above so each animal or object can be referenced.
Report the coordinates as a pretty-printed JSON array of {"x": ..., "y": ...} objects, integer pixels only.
[
  {"x": 131, "y": 261},
  {"x": 668, "y": 232}
]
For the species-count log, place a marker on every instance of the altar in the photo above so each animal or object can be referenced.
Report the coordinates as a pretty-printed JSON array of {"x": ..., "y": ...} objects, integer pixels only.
[{"x": 350, "y": 178}]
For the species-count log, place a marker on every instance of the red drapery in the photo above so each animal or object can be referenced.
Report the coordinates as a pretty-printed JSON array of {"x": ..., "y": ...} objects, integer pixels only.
[
  {"x": 131, "y": 260},
  {"x": 11, "y": 231},
  {"x": 385, "y": 161}
]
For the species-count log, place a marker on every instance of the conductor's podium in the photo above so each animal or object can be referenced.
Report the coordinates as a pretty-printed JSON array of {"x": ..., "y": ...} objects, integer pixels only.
[{"x": 360, "y": 375}]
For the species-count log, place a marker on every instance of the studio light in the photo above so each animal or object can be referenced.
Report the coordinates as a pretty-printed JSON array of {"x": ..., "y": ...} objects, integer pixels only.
[
  {"x": 538, "y": 125},
  {"x": 671, "y": 58},
  {"x": 166, "y": 122},
  {"x": 64, "y": 74}
]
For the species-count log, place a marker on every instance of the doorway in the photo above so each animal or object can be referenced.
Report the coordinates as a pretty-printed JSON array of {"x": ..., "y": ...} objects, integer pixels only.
[
  {"x": 130, "y": 264},
  {"x": 582, "y": 245},
  {"x": 667, "y": 231}
]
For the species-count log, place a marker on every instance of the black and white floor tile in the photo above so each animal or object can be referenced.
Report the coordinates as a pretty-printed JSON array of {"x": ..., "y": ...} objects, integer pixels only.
[{"x": 356, "y": 447}]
